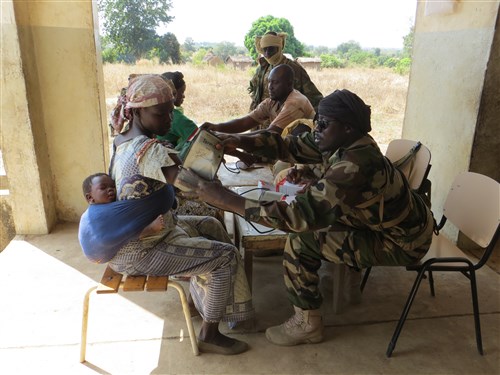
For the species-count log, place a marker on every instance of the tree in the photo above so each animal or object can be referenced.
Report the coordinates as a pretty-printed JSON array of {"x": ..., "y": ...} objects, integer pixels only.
[
  {"x": 129, "y": 25},
  {"x": 189, "y": 45},
  {"x": 408, "y": 42},
  {"x": 225, "y": 49},
  {"x": 348, "y": 48},
  {"x": 171, "y": 48},
  {"x": 270, "y": 23}
]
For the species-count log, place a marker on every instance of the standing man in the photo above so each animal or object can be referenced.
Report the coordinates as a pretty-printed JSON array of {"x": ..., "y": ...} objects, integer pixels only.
[{"x": 271, "y": 46}]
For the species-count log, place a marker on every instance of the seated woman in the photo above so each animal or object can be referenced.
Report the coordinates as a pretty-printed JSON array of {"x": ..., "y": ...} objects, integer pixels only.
[
  {"x": 182, "y": 126},
  {"x": 193, "y": 246},
  {"x": 181, "y": 129}
]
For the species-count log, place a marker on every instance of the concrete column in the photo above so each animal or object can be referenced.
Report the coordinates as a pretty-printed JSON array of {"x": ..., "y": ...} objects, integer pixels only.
[
  {"x": 448, "y": 82},
  {"x": 53, "y": 121}
]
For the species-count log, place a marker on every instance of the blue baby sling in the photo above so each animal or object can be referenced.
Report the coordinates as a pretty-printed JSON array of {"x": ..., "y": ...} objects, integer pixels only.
[{"x": 105, "y": 228}]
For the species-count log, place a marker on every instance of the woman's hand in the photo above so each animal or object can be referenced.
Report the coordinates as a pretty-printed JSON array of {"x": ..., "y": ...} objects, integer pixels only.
[{"x": 208, "y": 126}]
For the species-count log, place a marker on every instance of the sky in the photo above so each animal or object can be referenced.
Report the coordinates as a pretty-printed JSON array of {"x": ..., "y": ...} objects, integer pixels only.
[{"x": 372, "y": 23}]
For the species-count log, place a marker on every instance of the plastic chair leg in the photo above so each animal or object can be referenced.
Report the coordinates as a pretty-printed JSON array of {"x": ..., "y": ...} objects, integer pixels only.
[
  {"x": 187, "y": 315},
  {"x": 85, "y": 319}
]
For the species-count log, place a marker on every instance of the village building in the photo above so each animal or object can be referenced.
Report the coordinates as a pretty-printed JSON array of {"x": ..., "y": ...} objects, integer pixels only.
[
  {"x": 239, "y": 62},
  {"x": 310, "y": 62}
]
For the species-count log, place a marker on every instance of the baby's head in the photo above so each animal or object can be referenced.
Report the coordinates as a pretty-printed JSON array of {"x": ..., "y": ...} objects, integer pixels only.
[{"x": 99, "y": 188}]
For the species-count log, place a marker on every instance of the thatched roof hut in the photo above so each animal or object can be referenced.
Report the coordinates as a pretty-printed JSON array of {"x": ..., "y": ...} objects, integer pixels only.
[
  {"x": 212, "y": 59},
  {"x": 310, "y": 62},
  {"x": 239, "y": 62}
]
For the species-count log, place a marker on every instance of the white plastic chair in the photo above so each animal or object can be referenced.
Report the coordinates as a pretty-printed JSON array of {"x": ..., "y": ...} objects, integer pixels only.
[
  {"x": 473, "y": 207},
  {"x": 413, "y": 159}
]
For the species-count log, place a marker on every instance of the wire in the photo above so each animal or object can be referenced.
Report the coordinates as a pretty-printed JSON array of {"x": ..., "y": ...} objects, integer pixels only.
[
  {"x": 235, "y": 170},
  {"x": 249, "y": 222}
]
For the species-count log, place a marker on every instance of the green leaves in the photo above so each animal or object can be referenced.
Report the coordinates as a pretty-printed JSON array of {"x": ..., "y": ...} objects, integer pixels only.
[
  {"x": 270, "y": 23},
  {"x": 130, "y": 25}
]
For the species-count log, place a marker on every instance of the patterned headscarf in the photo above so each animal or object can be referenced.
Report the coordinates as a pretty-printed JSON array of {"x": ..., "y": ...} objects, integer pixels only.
[
  {"x": 143, "y": 91},
  {"x": 148, "y": 90},
  {"x": 348, "y": 108}
]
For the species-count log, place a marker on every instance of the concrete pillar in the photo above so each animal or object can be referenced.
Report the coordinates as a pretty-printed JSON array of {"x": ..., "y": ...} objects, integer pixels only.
[
  {"x": 54, "y": 129},
  {"x": 449, "y": 87}
]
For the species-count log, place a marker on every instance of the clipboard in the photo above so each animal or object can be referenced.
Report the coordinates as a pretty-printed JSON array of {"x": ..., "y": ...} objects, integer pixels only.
[{"x": 202, "y": 157}]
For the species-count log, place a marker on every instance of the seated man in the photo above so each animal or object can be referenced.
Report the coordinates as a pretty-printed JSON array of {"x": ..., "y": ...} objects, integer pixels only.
[
  {"x": 357, "y": 208},
  {"x": 284, "y": 106}
]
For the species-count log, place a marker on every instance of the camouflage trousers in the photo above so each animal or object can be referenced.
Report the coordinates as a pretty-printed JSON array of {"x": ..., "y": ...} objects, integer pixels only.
[{"x": 354, "y": 248}]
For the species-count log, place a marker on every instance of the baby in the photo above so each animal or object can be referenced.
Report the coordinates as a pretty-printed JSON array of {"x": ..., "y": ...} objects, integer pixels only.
[{"x": 100, "y": 188}]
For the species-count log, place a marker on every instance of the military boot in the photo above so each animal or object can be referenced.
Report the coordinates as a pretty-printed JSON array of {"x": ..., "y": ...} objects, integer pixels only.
[{"x": 304, "y": 327}]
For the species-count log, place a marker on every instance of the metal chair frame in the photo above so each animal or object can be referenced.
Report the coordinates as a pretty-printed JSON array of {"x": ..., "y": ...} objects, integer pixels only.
[{"x": 472, "y": 205}]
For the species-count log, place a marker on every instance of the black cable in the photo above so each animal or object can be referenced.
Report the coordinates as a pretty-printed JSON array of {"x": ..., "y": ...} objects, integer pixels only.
[
  {"x": 249, "y": 222},
  {"x": 235, "y": 170}
]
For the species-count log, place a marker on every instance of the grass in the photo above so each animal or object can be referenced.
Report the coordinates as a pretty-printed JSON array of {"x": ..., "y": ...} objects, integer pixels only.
[{"x": 219, "y": 94}]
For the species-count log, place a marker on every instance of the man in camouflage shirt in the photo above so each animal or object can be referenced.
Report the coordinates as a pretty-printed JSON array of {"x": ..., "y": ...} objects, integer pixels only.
[
  {"x": 357, "y": 208},
  {"x": 271, "y": 47}
]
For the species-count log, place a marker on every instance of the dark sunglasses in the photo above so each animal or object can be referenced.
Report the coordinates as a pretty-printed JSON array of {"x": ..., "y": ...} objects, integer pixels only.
[{"x": 323, "y": 124}]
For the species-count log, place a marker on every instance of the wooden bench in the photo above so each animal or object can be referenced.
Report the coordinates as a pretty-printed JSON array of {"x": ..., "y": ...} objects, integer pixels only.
[{"x": 111, "y": 282}]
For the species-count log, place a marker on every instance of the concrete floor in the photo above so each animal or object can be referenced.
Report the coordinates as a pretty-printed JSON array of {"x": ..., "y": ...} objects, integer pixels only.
[{"x": 43, "y": 280}]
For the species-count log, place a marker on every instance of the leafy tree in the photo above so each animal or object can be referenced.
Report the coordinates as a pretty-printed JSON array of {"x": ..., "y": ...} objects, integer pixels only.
[
  {"x": 130, "y": 25},
  {"x": 188, "y": 45},
  {"x": 403, "y": 66},
  {"x": 408, "y": 43},
  {"x": 391, "y": 62},
  {"x": 270, "y": 23},
  {"x": 171, "y": 48},
  {"x": 318, "y": 50},
  {"x": 360, "y": 57},
  {"x": 349, "y": 47},
  {"x": 332, "y": 61},
  {"x": 197, "y": 58},
  {"x": 225, "y": 49}
]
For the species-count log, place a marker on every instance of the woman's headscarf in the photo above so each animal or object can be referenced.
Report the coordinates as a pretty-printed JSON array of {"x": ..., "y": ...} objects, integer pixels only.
[
  {"x": 271, "y": 40},
  {"x": 348, "y": 108},
  {"x": 145, "y": 90}
]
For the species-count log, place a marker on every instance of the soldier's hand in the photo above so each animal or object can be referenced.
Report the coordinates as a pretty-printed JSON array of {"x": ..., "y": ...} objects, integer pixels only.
[{"x": 229, "y": 143}]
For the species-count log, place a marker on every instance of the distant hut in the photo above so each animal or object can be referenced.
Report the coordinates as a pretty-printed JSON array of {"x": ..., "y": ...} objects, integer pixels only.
[
  {"x": 310, "y": 62},
  {"x": 212, "y": 59},
  {"x": 288, "y": 55},
  {"x": 239, "y": 62}
]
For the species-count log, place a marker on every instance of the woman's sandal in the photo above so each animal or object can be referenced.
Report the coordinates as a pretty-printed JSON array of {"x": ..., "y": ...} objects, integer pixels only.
[{"x": 237, "y": 348}]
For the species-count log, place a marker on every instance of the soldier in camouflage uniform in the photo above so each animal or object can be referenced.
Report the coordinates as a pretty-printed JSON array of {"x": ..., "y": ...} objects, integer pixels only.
[
  {"x": 357, "y": 208},
  {"x": 271, "y": 47}
]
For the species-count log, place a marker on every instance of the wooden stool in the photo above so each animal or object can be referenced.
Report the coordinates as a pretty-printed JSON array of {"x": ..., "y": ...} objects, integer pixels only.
[{"x": 111, "y": 282}]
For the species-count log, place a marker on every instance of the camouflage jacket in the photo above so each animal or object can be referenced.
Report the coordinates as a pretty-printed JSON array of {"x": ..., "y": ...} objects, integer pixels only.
[
  {"x": 258, "y": 84},
  {"x": 357, "y": 188}
]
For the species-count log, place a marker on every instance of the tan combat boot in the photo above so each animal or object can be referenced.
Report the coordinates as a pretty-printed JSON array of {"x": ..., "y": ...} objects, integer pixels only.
[{"x": 304, "y": 327}]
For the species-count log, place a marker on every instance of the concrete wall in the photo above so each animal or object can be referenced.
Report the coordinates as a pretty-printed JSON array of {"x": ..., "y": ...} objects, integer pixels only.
[
  {"x": 451, "y": 52},
  {"x": 54, "y": 129}
]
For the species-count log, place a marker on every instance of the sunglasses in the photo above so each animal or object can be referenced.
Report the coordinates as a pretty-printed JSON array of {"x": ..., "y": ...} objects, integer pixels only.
[{"x": 323, "y": 124}]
